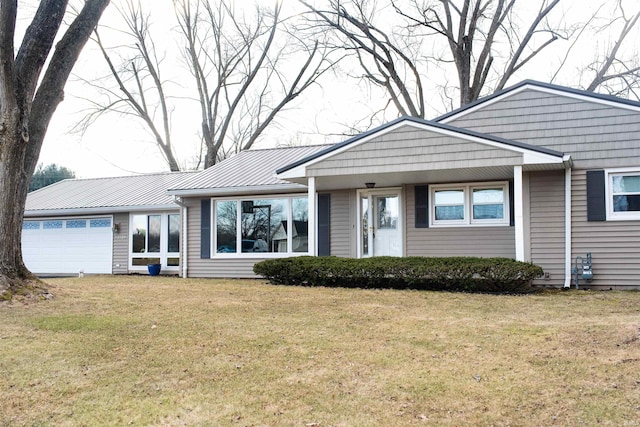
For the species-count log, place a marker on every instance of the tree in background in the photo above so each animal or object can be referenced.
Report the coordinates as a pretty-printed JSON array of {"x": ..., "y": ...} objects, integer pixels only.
[
  {"x": 50, "y": 174},
  {"x": 245, "y": 68},
  {"x": 464, "y": 49},
  {"x": 28, "y": 99}
]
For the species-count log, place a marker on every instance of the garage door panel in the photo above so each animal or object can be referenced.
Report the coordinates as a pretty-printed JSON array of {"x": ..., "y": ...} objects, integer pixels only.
[{"x": 68, "y": 246}]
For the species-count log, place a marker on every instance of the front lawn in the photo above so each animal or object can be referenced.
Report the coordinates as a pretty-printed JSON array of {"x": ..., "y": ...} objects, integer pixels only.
[{"x": 129, "y": 350}]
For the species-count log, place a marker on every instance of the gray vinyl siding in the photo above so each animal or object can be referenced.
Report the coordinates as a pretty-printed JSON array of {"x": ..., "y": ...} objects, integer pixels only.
[
  {"x": 342, "y": 223},
  {"x": 595, "y": 135},
  {"x": 614, "y": 245},
  {"x": 426, "y": 149},
  {"x": 220, "y": 267},
  {"x": 456, "y": 241},
  {"x": 121, "y": 244},
  {"x": 547, "y": 228}
]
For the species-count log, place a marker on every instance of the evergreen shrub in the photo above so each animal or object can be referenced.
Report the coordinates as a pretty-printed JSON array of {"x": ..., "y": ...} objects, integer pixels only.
[{"x": 469, "y": 274}]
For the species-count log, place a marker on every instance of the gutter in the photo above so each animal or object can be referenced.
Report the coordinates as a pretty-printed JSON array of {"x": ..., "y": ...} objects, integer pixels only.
[
  {"x": 107, "y": 210},
  {"x": 185, "y": 259}
]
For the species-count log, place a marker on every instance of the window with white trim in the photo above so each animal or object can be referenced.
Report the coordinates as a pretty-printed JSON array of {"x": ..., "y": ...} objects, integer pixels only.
[
  {"x": 469, "y": 204},
  {"x": 623, "y": 195},
  {"x": 154, "y": 239},
  {"x": 247, "y": 227}
]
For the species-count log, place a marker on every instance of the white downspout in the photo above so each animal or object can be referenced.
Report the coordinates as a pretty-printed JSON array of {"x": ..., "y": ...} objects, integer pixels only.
[
  {"x": 313, "y": 246},
  {"x": 183, "y": 234},
  {"x": 518, "y": 208},
  {"x": 567, "y": 228}
]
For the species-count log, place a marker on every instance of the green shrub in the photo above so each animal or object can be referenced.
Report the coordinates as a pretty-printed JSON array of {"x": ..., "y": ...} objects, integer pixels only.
[{"x": 452, "y": 274}]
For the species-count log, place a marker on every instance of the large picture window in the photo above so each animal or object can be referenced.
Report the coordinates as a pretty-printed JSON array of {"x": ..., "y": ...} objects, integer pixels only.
[
  {"x": 469, "y": 204},
  {"x": 261, "y": 225},
  {"x": 623, "y": 196}
]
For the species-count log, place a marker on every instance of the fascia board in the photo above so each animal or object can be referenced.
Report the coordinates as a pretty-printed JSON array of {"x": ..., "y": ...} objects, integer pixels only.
[
  {"x": 98, "y": 211},
  {"x": 228, "y": 191}
]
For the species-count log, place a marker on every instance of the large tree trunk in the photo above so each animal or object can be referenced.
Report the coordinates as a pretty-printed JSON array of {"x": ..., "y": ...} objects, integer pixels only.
[
  {"x": 27, "y": 103},
  {"x": 13, "y": 193}
]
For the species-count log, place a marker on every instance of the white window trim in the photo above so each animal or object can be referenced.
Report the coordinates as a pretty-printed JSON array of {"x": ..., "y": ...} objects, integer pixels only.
[
  {"x": 608, "y": 185},
  {"x": 256, "y": 255},
  {"x": 164, "y": 240},
  {"x": 467, "y": 189}
]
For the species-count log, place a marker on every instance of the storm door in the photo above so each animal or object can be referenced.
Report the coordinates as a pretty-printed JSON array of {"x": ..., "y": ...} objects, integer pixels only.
[{"x": 380, "y": 223}]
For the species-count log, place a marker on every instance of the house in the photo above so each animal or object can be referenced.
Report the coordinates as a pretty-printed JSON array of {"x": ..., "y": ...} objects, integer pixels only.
[
  {"x": 536, "y": 172},
  {"x": 106, "y": 225}
]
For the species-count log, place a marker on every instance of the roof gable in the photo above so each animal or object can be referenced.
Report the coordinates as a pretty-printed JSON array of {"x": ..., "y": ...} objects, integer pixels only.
[
  {"x": 583, "y": 95},
  {"x": 293, "y": 169}
]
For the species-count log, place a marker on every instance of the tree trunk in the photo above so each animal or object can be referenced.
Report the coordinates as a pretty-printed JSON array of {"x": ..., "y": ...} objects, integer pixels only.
[
  {"x": 13, "y": 194},
  {"x": 27, "y": 103}
]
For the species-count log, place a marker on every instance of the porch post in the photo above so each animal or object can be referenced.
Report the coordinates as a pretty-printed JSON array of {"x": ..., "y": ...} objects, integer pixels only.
[
  {"x": 518, "y": 208},
  {"x": 313, "y": 215}
]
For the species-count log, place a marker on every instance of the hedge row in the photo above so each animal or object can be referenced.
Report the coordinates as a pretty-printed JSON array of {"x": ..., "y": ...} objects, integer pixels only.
[{"x": 451, "y": 274}]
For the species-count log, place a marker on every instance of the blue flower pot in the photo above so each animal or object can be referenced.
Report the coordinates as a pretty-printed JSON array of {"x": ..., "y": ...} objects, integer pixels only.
[{"x": 154, "y": 269}]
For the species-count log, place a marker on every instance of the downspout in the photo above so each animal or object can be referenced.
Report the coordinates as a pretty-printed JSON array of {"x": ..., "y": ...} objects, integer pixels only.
[
  {"x": 567, "y": 225},
  {"x": 183, "y": 234}
]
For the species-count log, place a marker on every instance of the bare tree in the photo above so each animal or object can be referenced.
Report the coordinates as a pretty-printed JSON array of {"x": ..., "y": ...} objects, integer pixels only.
[
  {"x": 242, "y": 73},
  {"x": 139, "y": 88},
  {"x": 475, "y": 32},
  {"x": 28, "y": 100},
  {"x": 611, "y": 73},
  {"x": 385, "y": 61}
]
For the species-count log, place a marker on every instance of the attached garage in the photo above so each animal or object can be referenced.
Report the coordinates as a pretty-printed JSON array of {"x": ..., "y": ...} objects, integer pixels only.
[
  {"x": 113, "y": 225},
  {"x": 68, "y": 245}
]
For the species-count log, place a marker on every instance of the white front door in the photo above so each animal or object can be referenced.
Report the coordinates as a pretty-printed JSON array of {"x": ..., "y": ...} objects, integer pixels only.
[{"x": 380, "y": 217}]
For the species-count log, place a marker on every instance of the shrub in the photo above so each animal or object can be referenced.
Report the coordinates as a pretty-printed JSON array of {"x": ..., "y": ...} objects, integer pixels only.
[{"x": 453, "y": 274}]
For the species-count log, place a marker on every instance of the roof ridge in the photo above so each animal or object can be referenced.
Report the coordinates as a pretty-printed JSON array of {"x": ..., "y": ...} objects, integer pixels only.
[
  {"x": 131, "y": 176},
  {"x": 286, "y": 147}
]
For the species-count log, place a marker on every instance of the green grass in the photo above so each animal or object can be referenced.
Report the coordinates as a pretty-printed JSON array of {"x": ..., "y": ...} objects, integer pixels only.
[{"x": 166, "y": 351}]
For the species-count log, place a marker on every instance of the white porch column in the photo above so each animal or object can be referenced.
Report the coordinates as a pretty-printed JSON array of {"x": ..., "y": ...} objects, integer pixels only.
[
  {"x": 518, "y": 208},
  {"x": 313, "y": 215}
]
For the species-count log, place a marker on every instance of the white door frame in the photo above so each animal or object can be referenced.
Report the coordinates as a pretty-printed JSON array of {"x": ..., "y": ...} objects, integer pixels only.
[{"x": 369, "y": 194}]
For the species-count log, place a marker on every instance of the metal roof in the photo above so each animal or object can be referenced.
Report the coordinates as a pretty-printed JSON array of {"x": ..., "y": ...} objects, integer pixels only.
[
  {"x": 119, "y": 194},
  {"x": 246, "y": 170}
]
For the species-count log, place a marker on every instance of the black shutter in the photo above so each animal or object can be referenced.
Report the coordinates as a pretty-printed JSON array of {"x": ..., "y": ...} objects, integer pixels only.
[
  {"x": 512, "y": 209},
  {"x": 422, "y": 206},
  {"x": 324, "y": 222},
  {"x": 205, "y": 228},
  {"x": 596, "y": 197}
]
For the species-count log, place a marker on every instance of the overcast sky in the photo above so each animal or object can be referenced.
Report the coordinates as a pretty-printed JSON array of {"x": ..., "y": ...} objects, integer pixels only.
[{"x": 117, "y": 145}]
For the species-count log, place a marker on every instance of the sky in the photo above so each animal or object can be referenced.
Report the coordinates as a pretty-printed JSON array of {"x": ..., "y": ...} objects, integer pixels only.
[{"x": 117, "y": 145}]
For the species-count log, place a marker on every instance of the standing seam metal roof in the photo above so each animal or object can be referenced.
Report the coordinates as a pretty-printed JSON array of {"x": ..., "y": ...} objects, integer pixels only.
[
  {"x": 118, "y": 192},
  {"x": 247, "y": 168}
]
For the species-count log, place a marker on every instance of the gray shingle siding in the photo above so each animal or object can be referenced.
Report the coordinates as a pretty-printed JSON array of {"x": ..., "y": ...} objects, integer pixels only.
[
  {"x": 121, "y": 244},
  {"x": 455, "y": 241},
  {"x": 594, "y": 135},
  {"x": 615, "y": 245},
  {"x": 547, "y": 225},
  {"x": 427, "y": 151}
]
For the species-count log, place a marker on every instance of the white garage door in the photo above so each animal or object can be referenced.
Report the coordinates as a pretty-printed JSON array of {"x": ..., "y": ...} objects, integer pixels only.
[{"x": 68, "y": 246}]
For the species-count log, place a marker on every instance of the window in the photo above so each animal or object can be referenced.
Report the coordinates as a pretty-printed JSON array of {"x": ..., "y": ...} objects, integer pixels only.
[
  {"x": 469, "y": 204},
  {"x": 623, "y": 195},
  {"x": 155, "y": 239},
  {"x": 269, "y": 225}
]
